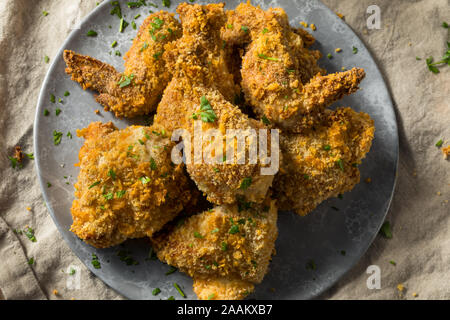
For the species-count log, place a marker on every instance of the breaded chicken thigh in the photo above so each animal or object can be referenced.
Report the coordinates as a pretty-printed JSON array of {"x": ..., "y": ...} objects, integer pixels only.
[
  {"x": 138, "y": 89},
  {"x": 199, "y": 94},
  {"x": 226, "y": 249},
  {"x": 127, "y": 186},
  {"x": 323, "y": 161}
]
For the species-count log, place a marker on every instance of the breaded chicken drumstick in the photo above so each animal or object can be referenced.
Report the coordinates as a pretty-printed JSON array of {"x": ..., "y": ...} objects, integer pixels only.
[
  {"x": 226, "y": 249},
  {"x": 138, "y": 89}
]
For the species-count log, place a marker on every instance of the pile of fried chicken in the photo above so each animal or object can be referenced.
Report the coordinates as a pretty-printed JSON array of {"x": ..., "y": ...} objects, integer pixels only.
[{"x": 128, "y": 187}]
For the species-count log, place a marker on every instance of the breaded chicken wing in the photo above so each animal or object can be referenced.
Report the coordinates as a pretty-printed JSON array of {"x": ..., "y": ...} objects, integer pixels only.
[
  {"x": 323, "y": 161},
  {"x": 199, "y": 94},
  {"x": 136, "y": 91},
  {"x": 284, "y": 84},
  {"x": 226, "y": 249},
  {"x": 127, "y": 186}
]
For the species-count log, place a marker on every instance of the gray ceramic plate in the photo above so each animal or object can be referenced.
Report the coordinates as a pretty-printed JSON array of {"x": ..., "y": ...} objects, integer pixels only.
[{"x": 319, "y": 237}]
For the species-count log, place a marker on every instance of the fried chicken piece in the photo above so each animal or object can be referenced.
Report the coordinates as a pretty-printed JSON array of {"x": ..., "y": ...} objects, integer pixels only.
[
  {"x": 220, "y": 288},
  {"x": 226, "y": 250},
  {"x": 127, "y": 186},
  {"x": 322, "y": 162},
  {"x": 281, "y": 79},
  {"x": 199, "y": 93},
  {"x": 138, "y": 90}
]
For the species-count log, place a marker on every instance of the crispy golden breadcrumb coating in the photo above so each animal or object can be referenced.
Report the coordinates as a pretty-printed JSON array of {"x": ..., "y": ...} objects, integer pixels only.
[
  {"x": 145, "y": 69},
  {"x": 322, "y": 162},
  {"x": 220, "y": 288},
  {"x": 231, "y": 241},
  {"x": 127, "y": 186},
  {"x": 281, "y": 79},
  {"x": 205, "y": 76}
]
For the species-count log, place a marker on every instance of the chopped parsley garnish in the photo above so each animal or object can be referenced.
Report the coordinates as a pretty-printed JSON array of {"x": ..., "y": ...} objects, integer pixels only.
[
  {"x": 49, "y": 185},
  {"x": 72, "y": 271},
  {"x": 125, "y": 257},
  {"x": 265, "y": 30},
  {"x": 311, "y": 265},
  {"x": 14, "y": 162},
  {"x": 166, "y": 3},
  {"x": 66, "y": 94},
  {"x": 263, "y": 56},
  {"x": 343, "y": 253},
  {"x": 46, "y": 113},
  {"x": 114, "y": 44},
  {"x": 207, "y": 113},
  {"x": 156, "y": 25},
  {"x": 29, "y": 232},
  {"x": 91, "y": 33},
  {"x": 306, "y": 176},
  {"x": 444, "y": 60},
  {"x": 171, "y": 270},
  {"x": 133, "y": 25},
  {"x": 329, "y": 56},
  {"x": 445, "y": 25},
  {"x": 109, "y": 196},
  {"x": 211, "y": 296},
  {"x": 179, "y": 290},
  {"x": 393, "y": 262},
  {"x": 234, "y": 229},
  {"x": 327, "y": 147},
  {"x": 244, "y": 28},
  {"x": 156, "y": 291},
  {"x": 125, "y": 81},
  {"x": 95, "y": 263},
  {"x": 153, "y": 165},
  {"x": 57, "y": 136},
  {"x": 198, "y": 235},
  {"x": 94, "y": 184},
  {"x": 116, "y": 9},
  {"x": 229, "y": 26},
  {"x": 386, "y": 230},
  {"x": 46, "y": 59},
  {"x": 439, "y": 143},
  {"x": 144, "y": 46},
  {"x": 157, "y": 55},
  {"x": 57, "y": 111},
  {"x": 123, "y": 25},
  {"x": 246, "y": 182},
  {"x": 69, "y": 135},
  {"x": 171, "y": 298},
  {"x": 117, "y": 53},
  {"x": 340, "y": 163},
  {"x": 31, "y": 261},
  {"x": 120, "y": 194},
  {"x": 145, "y": 180},
  {"x": 52, "y": 98},
  {"x": 45, "y": 13},
  {"x": 215, "y": 230},
  {"x": 355, "y": 50},
  {"x": 30, "y": 156},
  {"x": 265, "y": 120},
  {"x": 335, "y": 208},
  {"x": 112, "y": 174}
]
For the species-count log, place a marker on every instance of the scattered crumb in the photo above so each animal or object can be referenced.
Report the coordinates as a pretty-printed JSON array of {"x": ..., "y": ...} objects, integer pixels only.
[
  {"x": 343, "y": 69},
  {"x": 55, "y": 292},
  {"x": 365, "y": 32},
  {"x": 400, "y": 287},
  {"x": 72, "y": 299},
  {"x": 414, "y": 173},
  {"x": 415, "y": 295},
  {"x": 313, "y": 26},
  {"x": 304, "y": 24},
  {"x": 368, "y": 180},
  {"x": 28, "y": 208},
  {"x": 340, "y": 15},
  {"x": 438, "y": 193},
  {"x": 338, "y": 49},
  {"x": 62, "y": 165},
  {"x": 446, "y": 151},
  {"x": 18, "y": 155},
  {"x": 97, "y": 111},
  {"x": 410, "y": 44},
  {"x": 272, "y": 289}
]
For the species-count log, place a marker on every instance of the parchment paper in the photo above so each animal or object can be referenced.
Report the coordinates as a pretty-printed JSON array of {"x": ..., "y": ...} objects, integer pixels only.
[{"x": 419, "y": 214}]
